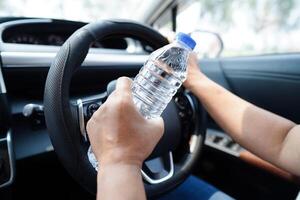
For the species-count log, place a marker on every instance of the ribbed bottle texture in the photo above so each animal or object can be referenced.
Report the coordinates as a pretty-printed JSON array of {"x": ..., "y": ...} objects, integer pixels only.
[{"x": 161, "y": 76}]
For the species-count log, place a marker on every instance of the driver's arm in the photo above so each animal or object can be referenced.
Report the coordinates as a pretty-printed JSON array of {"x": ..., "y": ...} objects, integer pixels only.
[
  {"x": 267, "y": 135},
  {"x": 121, "y": 140}
]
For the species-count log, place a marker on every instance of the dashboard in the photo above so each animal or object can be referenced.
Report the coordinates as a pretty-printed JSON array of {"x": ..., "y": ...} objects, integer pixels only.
[
  {"x": 27, "y": 48},
  {"x": 56, "y": 32}
]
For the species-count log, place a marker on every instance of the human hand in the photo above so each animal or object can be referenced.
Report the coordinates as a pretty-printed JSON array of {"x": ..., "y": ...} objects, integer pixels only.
[
  {"x": 119, "y": 133},
  {"x": 193, "y": 72}
]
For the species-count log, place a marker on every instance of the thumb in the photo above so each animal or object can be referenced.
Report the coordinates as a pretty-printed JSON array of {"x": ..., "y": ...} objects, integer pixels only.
[{"x": 158, "y": 127}]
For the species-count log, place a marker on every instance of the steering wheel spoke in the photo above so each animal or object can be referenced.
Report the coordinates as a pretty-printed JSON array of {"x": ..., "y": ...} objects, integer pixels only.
[
  {"x": 86, "y": 108},
  {"x": 159, "y": 169}
]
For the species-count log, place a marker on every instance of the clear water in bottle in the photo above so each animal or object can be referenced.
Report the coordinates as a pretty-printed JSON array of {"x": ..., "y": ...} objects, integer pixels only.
[
  {"x": 161, "y": 76},
  {"x": 159, "y": 79}
]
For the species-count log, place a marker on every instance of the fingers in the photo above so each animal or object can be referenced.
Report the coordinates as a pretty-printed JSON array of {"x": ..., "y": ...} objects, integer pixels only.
[
  {"x": 193, "y": 55},
  {"x": 123, "y": 88},
  {"x": 124, "y": 84},
  {"x": 121, "y": 99},
  {"x": 193, "y": 61},
  {"x": 158, "y": 125}
]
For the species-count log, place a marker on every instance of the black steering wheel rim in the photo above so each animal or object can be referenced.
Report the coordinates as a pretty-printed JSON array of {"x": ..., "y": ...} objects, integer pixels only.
[{"x": 60, "y": 113}]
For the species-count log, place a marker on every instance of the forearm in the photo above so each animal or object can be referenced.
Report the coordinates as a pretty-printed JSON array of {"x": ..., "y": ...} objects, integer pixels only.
[
  {"x": 258, "y": 130},
  {"x": 120, "y": 181}
]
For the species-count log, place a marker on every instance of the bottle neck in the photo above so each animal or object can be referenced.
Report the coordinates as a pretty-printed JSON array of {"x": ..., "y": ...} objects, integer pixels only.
[{"x": 184, "y": 45}]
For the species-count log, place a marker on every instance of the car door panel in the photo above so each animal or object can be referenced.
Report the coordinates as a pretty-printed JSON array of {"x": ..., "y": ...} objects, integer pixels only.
[
  {"x": 212, "y": 68},
  {"x": 271, "y": 82}
]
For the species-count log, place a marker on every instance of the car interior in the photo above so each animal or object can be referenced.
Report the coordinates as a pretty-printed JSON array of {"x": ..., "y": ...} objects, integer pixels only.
[{"x": 59, "y": 63}]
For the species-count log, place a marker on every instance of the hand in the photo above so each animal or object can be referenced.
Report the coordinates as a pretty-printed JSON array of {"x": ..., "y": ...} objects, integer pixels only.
[
  {"x": 193, "y": 72},
  {"x": 119, "y": 133}
]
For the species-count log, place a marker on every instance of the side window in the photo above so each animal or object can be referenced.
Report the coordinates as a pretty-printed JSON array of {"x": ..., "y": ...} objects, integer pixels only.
[{"x": 251, "y": 27}]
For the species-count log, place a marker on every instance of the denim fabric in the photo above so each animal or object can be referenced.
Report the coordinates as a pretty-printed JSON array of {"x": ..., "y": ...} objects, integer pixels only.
[{"x": 195, "y": 188}]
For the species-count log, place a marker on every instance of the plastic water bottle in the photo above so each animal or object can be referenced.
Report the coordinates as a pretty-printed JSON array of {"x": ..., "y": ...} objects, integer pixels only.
[
  {"x": 159, "y": 79},
  {"x": 161, "y": 76}
]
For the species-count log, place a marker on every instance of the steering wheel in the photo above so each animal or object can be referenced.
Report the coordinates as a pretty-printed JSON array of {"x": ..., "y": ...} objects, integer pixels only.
[{"x": 176, "y": 153}]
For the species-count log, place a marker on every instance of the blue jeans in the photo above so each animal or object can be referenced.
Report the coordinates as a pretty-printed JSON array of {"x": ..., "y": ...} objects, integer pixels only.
[{"x": 194, "y": 188}]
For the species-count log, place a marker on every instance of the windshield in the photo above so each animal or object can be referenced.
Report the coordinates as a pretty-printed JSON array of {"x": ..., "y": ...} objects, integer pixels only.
[{"x": 77, "y": 10}]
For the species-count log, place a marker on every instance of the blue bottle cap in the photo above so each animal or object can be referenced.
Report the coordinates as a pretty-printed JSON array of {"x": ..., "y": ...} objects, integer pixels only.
[{"x": 186, "y": 39}]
